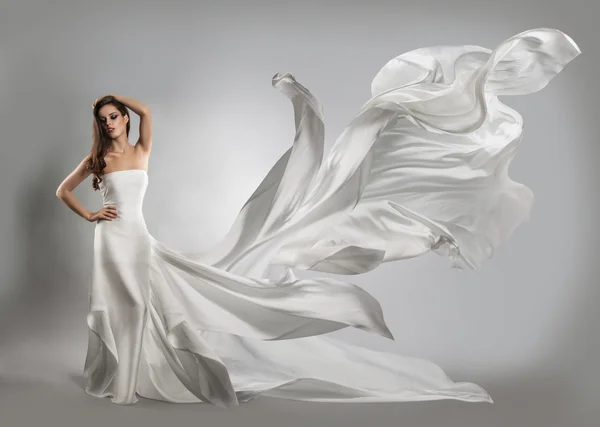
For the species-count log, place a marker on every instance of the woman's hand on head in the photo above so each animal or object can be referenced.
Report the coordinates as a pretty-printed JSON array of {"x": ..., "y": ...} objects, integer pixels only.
[{"x": 100, "y": 97}]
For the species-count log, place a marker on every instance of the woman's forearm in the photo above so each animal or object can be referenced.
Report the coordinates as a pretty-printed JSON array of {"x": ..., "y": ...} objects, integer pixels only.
[
  {"x": 138, "y": 107},
  {"x": 71, "y": 201}
]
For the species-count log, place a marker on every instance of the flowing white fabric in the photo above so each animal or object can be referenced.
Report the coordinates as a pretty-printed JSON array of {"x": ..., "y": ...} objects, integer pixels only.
[{"x": 422, "y": 167}]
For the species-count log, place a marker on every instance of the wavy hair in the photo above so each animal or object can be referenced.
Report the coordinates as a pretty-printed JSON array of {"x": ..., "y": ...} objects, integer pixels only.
[{"x": 101, "y": 141}]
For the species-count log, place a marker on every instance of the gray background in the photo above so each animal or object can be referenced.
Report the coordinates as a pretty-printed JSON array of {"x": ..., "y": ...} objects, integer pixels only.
[{"x": 523, "y": 327}]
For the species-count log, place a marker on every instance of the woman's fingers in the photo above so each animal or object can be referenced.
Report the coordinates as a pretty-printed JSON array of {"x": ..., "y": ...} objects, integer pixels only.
[{"x": 110, "y": 212}]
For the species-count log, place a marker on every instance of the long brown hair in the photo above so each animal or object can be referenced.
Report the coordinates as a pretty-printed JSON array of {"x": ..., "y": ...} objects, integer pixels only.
[{"x": 101, "y": 142}]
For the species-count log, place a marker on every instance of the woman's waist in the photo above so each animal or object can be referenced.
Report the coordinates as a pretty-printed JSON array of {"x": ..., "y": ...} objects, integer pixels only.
[
  {"x": 124, "y": 223},
  {"x": 124, "y": 206},
  {"x": 128, "y": 211}
]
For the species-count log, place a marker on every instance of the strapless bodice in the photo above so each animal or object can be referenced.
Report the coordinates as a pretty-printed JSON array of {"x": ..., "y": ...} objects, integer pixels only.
[{"x": 124, "y": 188}]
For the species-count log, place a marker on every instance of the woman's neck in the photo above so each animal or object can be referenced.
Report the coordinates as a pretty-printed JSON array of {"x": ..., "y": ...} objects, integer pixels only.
[{"x": 120, "y": 146}]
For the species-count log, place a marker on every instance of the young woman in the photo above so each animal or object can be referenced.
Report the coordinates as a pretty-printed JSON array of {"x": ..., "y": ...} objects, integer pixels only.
[{"x": 422, "y": 167}]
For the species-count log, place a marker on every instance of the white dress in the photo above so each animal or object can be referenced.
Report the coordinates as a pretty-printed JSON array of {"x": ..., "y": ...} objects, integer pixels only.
[{"x": 422, "y": 167}]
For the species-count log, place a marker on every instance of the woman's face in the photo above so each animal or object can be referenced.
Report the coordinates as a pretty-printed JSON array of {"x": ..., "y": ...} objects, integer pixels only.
[{"x": 113, "y": 122}]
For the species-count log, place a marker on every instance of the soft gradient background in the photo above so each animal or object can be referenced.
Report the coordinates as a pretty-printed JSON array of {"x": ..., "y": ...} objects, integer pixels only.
[{"x": 524, "y": 327}]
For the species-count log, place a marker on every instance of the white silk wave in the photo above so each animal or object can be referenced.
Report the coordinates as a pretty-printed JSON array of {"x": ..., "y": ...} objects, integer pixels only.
[{"x": 423, "y": 166}]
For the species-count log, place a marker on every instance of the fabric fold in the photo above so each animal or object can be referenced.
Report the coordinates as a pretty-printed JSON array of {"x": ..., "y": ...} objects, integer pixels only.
[
  {"x": 216, "y": 300},
  {"x": 102, "y": 357}
]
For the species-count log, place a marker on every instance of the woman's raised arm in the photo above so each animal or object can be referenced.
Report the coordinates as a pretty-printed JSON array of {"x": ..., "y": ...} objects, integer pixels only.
[{"x": 142, "y": 110}]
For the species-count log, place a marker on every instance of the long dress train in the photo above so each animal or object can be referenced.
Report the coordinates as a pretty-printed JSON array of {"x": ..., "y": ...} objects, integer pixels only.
[{"x": 422, "y": 167}]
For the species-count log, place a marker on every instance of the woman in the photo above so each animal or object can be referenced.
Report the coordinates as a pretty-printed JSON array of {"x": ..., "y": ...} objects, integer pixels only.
[{"x": 422, "y": 167}]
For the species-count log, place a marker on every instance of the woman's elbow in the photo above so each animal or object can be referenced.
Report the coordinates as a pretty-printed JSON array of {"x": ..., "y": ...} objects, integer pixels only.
[{"x": 60, "y": 192}]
